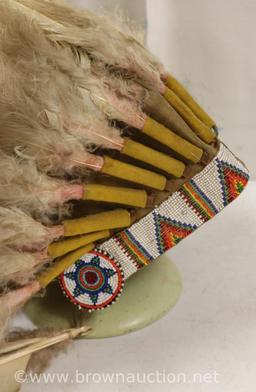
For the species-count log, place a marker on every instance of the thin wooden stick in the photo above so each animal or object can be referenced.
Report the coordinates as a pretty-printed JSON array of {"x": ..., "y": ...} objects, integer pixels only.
[{"x": 44, "y": 343}]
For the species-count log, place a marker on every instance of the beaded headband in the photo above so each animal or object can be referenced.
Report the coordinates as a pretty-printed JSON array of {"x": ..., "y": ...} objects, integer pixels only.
[
  {"x": 101, "y": 110},
  {"x": 97, "y": 278}
]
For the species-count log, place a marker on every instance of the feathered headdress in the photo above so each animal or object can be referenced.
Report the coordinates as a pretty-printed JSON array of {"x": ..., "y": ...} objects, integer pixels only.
[{"x": 106, "y": 160}]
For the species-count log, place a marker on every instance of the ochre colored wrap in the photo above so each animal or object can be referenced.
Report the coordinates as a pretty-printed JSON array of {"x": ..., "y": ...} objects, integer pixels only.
[
  {"x": 60, "y": 265},
  {"x": 97, "y": 222},
  {"x": 174, "y": 85},
  {"x": 165, "y": 136},
  {"x": 153, "y": 157},
  {"x": 203, "y": 131},
  {"x": 133, "y": 173},
  {"x": 60, "y": 248},
  {"x": 113, "y": 194}
]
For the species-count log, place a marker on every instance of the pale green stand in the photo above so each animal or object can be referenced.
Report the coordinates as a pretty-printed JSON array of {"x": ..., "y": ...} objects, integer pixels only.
[{"x": 147, "y": 296}]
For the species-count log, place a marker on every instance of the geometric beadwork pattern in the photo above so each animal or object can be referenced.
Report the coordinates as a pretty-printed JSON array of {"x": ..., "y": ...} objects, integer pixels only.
[
  {"x": 197, "y": 201},
  {"x": 169, "y": 232},
  {"x": 232, "y": 181},
  {"x": 127, "y": 240},
  {"x": 93, "y": 282}
]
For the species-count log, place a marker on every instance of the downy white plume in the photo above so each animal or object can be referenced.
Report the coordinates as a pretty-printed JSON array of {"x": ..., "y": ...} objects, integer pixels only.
[
  {"x": 19, "y": 230},
  {"x": 118, "y": 107},
  {"x": 101, "y": 76},
  {"x": 28, "y": 132},
  {"x": 36, "y": 194},
  {"x": 57, "y": 81},
  {"x": 16, "y": 267},
  {"x": 124, "y": 87},
  {"x": 13, "y": 300},
  {"x": 122, "y": 50}
]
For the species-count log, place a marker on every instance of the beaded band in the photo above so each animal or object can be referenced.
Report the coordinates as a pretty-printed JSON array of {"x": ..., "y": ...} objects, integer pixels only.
[{"x": 196, "y": 202}]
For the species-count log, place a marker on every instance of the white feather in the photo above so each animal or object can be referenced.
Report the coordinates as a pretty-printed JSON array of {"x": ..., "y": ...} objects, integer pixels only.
[{"x": 122, "y": 50}]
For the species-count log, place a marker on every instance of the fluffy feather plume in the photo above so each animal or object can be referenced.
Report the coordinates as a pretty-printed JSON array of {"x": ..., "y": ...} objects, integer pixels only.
[
  {"x": 34, "y": 135},
  {"x": 46, "y": 119},
  {"x": 19, "y": 230},
  {"x": 119, "y": 98},
  {"x": 12, "y": 301},
  {"x": 17, "y": 267},
  {"x": 117, "y": 107},
  {"x": 56, "y": 83},
  {"x": 104, "y": 92},
  {"x": 30, "y": 133},
  {"x": 123, "y": 50},
  {"x": 109, "y": 90},
  {"x": 36, "y": 194}
]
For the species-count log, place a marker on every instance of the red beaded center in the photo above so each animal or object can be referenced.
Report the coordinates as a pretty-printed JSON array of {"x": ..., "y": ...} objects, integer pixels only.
[{"x": 91, "y": 277}]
